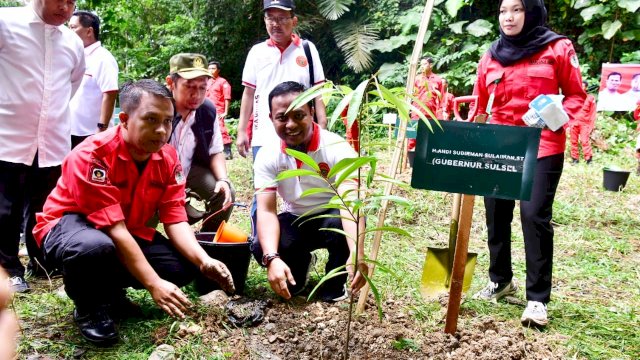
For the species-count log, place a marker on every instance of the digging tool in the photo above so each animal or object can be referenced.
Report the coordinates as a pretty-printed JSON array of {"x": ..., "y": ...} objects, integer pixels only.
[{"x": 438, "y": 265}]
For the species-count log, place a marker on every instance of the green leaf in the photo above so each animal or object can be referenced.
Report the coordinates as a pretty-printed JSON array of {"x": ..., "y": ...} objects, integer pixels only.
[
  {"x": 629, "y": 5},
  {"x": 355, "y": 38},
  {"x": 457, "y": 26},
  {"x": 389, "y": 229},
  {"x": 310, "y": 94},
  {"x": 393, "y": 198},
  {"x": 337, "y": 112},
  {"x": 349, "y": 170},
  {"x": 314, "y": 191},
  {"x": 480, "y": 27},
  {"x": 609, "y": 28},
  {"x": 334, "y": 9},
  {"x": 453, "y": 6},
  {"x": 287, "y": 174},
  {"x": 340, "y": 166},
  {"x": 398, "y": 104},
  {"x": 356, "y": 101},
  {"x": 392, "y": 43},
  {"x": 582, "y": 4},
  {"x": 587, "y": 14},
  {"x": 306, "y": 159},
  {"x": 338, "y": 231},
  {"x": 376, "y": 295},
  {"x": 340, "y": 270}
]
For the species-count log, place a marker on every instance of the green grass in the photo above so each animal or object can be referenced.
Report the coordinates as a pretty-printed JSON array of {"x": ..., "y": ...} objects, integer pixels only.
[{"x": 596, "y": 293}]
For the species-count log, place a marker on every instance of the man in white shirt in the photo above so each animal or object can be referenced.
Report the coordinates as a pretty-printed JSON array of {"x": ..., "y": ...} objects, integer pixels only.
[
  {"x": 47, "y": 60},
  {"x": 281, "y": 58},
  {"x": 91, "y": 107},
  {"x": 610, "y": 99},
  {"x": 197, "y": 138},
  {"x": 633, "y": 95},
  {"x": 285, "y": 240}
]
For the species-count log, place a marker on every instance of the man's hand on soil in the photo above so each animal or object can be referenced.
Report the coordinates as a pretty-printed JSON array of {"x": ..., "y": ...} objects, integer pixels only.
[
  {"x": 218, "y": 272},
  {"x": 278, "y": 274},
  {"x": 170, "y": 298}
]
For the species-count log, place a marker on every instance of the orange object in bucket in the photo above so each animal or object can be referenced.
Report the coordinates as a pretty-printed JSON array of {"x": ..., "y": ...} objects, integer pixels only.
[{"x": 229, "y": 234}]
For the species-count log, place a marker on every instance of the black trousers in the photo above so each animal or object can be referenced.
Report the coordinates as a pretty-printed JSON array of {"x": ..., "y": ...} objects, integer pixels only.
[
  {"x": 23, "y": 191},
  {"x": 535, "y": 216},
  {"x": 92, "y": 273},
  {"x": 298, "y": 240},
  {"x": 202, "y": 181}
]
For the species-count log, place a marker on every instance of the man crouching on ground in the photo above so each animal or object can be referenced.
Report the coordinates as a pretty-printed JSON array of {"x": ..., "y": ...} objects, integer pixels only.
[
  {"x": 98, "y": 225},
  {"x": 286, "y": 241}
]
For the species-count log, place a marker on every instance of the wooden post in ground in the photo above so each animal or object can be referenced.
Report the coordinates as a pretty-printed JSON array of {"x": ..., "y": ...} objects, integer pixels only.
[{"x": 382, "y": 213}]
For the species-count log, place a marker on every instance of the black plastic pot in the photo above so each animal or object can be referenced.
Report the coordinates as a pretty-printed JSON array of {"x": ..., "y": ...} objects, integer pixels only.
[
  {"x": 236, "y": 256},
  {"x": 614, "y": 179},
  {"x": 410, "y": 156}
]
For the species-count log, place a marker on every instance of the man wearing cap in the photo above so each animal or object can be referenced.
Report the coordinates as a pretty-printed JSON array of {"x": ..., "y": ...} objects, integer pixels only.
[
  {"x": 280, "y": 58},
  {"x": 91, "y": 107},
  {"x": 98, "y": 225},
  {"x": 41, "y": 67},
  {"x": 197, "y": 138},
  {"x": 219, "y": 92}
]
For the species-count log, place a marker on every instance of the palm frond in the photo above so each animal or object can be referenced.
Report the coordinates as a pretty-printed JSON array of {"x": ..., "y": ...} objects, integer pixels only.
[
  {"x": 334, "y": 9},
  {"x": 356, "y": 41}
]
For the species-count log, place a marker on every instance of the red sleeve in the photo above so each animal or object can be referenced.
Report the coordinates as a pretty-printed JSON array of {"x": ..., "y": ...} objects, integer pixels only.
[
  {"x": 570, "y": 80},
  {"x": 480, "y": 87},
  {"x": 636, "y": 114},
  {"x": 226, "y": 90},
  {"x": 91, "y": 189},
  {"x": 171, "y": 205}
]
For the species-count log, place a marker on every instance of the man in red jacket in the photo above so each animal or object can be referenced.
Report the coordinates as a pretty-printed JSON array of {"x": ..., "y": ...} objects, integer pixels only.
[{"x": 581, "y": 129}]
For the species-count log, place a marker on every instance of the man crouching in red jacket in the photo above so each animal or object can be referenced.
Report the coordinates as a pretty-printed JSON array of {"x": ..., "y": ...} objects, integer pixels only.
[{"x": 98, "y": 226}]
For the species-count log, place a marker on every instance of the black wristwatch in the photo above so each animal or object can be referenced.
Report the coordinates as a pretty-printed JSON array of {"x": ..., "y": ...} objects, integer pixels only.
[
  {"x": 267, "y": 258},
  {"x": 102, "y": 126}
]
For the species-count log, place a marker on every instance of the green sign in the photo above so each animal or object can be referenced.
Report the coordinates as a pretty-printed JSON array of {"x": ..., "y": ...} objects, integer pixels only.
[{"x": 476, "y": 159}]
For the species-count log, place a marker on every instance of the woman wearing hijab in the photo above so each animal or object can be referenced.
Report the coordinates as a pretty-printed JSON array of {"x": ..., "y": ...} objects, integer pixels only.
[{"x": 527, "y": 60}]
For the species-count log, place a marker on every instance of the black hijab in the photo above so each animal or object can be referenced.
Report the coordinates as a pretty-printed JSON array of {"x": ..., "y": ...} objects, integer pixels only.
[{"x": 534, "y": 35}]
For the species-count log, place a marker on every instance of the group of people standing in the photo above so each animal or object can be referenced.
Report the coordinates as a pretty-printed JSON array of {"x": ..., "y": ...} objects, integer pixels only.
[{"x": 105, "y": 198}]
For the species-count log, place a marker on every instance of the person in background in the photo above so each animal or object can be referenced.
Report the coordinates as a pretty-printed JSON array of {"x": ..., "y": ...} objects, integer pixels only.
[
  {"x": 197, "y": 138},
  {"x": 609, "y": 99},
  {"x": 98, "y": 225},
  {"x": 527, "y": 60},
  {"x": 285, "y": 241},
  {"x": 581, "y": 129},
  {"x": 46, "y": 59},
  {"x": 219, "y": 92},
  {"x": 445, "y": 108},
  {"x": 91, "y": 108},
  {"x": 428, "y": 89}
]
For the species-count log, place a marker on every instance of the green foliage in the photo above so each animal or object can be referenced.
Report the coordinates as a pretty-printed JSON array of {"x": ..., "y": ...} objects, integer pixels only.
[{"x": 617, "y": 133}]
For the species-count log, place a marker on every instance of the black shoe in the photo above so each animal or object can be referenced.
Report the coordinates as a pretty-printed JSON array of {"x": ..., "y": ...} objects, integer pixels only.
[
  {"x": 588, "y": 161},
  {"x": 333, "y": 295},
  {"x": 575, "y": 161},
  {"x": 228, "y": 154},
  {"x": 97, "y": 327}
]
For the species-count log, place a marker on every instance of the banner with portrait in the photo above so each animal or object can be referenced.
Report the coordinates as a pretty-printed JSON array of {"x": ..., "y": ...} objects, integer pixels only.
[{"x": 619, "y": 87}]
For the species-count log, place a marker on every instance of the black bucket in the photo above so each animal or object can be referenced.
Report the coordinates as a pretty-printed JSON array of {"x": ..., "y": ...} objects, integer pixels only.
[
  {"x": 614, "y": 179},
  {"x": 410, "y": 156},
  {"x": 236, "y": 256}
]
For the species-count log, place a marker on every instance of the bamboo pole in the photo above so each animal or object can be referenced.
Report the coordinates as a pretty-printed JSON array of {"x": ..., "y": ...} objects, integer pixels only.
[{"x": 382, "y": 213}]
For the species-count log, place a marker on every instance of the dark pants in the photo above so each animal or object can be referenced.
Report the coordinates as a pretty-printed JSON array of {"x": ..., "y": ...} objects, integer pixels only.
[
  {"x": 298, "y": 240},
  {"x": 535, "y": 216},
  {"x": 202, "y": 181},
  {"x": 77, "y": 139},
  {"x": 23, "y": 191},
  {"x": 92, "y": 273}
]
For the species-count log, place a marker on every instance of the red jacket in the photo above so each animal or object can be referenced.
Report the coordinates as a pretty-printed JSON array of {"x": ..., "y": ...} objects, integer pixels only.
[
  {"x": 218, "y": 90},
  {"x": 101, "y": 181},
  {"x": 428, "y": 89},
  {"x": 587, "y": 114},
  {"x": 553, "y": 69}
]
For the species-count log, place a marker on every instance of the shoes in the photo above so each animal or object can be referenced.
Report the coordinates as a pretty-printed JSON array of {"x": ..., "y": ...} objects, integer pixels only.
[
  {"x": 588, "y": 161},
  {"x": 97, "y": 326},
  {"x": 575, "y": 161},
  {"x": 228, "y": 154},
  {"x": 494, "y": 291},
  {"x": 312, "y": 264},
  {"x": 332, "y": 295},
  {"x": 535, "y": 315},
  {"x": 19, "y": 285}
]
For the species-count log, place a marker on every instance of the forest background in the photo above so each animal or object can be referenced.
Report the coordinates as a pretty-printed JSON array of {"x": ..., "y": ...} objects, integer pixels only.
[{"x": 354, "y": 38}]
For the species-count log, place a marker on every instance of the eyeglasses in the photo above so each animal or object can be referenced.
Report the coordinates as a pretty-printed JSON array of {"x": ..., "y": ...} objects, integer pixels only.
[{"x": 277, "y": 20}]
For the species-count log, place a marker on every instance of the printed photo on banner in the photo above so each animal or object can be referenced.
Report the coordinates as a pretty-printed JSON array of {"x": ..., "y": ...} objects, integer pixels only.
[{"x": 619, "y": 87}]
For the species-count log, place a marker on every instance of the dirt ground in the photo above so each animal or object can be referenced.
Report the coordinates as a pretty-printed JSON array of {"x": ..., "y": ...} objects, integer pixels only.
[{"x": 315, "y": 330}]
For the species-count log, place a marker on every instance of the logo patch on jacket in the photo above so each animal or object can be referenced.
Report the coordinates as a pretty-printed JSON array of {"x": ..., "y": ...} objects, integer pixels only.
[
  {"x": 98, "y": 175},
  {"x": 301, "y": 61},
  {"x": 324, "y": 169}
]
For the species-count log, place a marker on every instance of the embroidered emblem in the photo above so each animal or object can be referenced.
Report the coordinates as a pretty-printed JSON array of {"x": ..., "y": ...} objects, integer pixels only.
[
  {"x": 198, "y": 63},
  {"x": 301, "y": 61},
  {"x": 324, "y": 169},
  {"x": 574, "y": 61},
  {"x": 98, "y": 175},
  {"x": 179, "y": 176}
]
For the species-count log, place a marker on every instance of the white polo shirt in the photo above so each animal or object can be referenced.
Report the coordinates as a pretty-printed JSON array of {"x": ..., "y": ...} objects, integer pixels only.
[
  {"x": 100, "y": 76},
  {"x": 41, "y": 67},
  {"x": 325, "y": 148},
  {"x": 184, "y": 141},
  {"x": 268, "y": 66}
]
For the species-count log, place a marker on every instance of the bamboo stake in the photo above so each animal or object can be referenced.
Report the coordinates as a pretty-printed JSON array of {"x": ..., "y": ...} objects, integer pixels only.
[{"x": 382, "y": 213}]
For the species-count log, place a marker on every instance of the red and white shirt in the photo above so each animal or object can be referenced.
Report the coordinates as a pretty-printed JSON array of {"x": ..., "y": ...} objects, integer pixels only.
[
  {"x": 101, "y": 181},
  {"x": 325, "y": 148},
  {"x": 267, "y": 66}
]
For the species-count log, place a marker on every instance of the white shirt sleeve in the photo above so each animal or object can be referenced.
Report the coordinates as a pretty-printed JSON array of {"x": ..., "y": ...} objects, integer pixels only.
[
  {"x": 107, "y": 74},
  {"x": 249, "y": 76},
  {"x": 78, "y": 71},
  {"x": 216, "y": 142},
  {"x": 265, "y": 170}
]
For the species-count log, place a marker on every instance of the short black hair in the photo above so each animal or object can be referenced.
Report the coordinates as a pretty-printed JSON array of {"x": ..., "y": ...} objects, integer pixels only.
[
  {"x": 88, "y": 19},
  {"x": 635, "y": 76},
  {"x": 584, "y": 82},
  {"x": 214, "y": 62},
  {"x": 288, "y": 87},
  {"x": 131, "y": 93},
  {"x": 429, "y": 59},
  {"x": 613, "y": 74}
]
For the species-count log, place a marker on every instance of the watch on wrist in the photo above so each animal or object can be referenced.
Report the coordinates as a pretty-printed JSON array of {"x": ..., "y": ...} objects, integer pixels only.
[
  {"x": 225, "y": 180},
  {"x": 267, "y": 258},
  {"x": 102, "y": 126}
]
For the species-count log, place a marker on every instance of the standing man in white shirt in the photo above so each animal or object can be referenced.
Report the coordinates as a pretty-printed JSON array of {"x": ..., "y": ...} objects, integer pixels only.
[
  {"x": 47, "y": 60},
  {"x": 91, "y": 108}
]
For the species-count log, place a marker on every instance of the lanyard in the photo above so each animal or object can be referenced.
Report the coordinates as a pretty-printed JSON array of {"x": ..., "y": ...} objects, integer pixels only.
[{"x": 491, "y": 98}]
